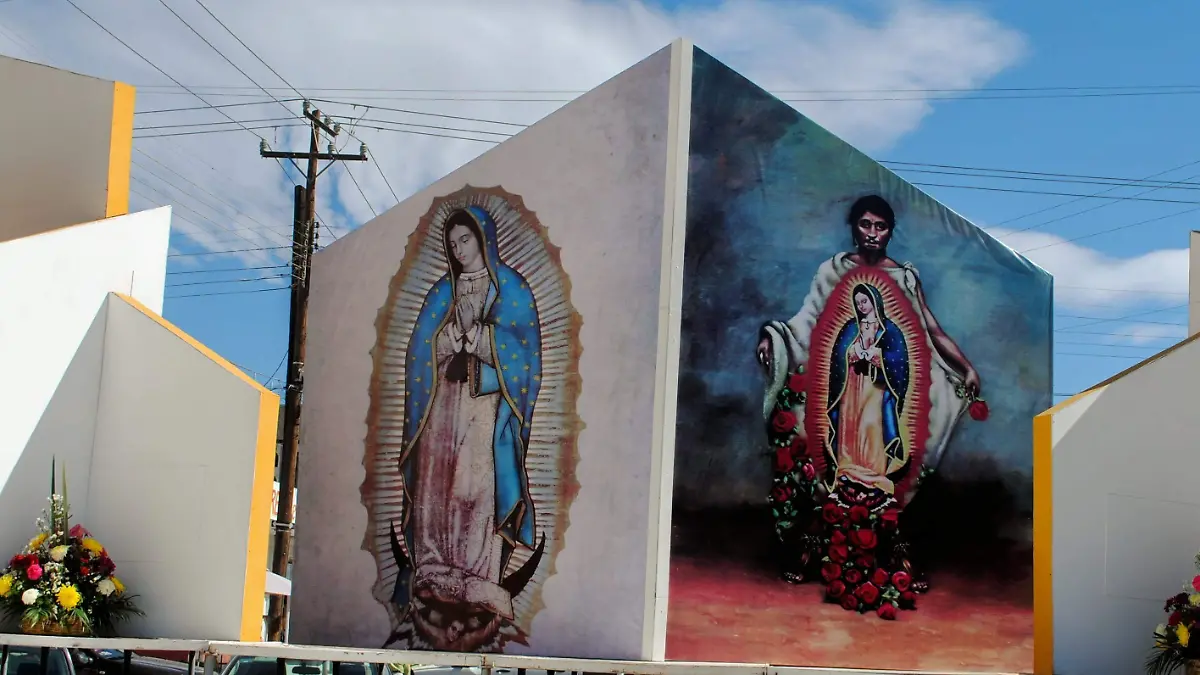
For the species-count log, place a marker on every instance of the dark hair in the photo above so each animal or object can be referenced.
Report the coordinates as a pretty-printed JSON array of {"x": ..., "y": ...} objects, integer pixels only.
[
  {"x": 875, "y": 204},
  {"x": 464, "y": 218}
]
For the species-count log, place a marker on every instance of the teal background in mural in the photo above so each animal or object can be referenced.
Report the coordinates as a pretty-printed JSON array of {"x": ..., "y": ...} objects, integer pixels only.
[{"x": 768, "y": 195}]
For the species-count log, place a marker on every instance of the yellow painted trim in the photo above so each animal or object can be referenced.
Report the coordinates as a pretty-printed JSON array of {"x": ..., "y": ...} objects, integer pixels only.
[
  {"x": 120, "y": 150},
  {"x": 1043, "y": 542},
  {"x": 255, "y": 586},
  {"x": 213, "y": 356}
]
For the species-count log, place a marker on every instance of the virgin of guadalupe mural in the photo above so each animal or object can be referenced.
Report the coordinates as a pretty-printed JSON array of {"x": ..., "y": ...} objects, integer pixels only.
[
  {"x": 488, "y": 357},
  {"x": 864, "y": 389}
]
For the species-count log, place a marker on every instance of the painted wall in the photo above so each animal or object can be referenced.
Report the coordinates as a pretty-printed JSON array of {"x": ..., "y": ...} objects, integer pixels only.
[
  {"x": 50, "y": 340},
  {"x": 184, "y": 445},
  {"x": 1126, "y": 519},
  {"x": 71, "y": 162},
  {"x": 814, "y": 375},
  {"x": 579, "y": 199}
]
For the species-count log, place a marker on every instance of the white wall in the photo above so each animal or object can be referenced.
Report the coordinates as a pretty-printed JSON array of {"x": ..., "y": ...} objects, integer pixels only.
[
  {"x": 173, "y": 478},
  {"x": 595, "y": 175},
  {"x": 1126, "y": 513},
  {"x": 54, "y": 171},
  {"x": 52, "y": 287}
]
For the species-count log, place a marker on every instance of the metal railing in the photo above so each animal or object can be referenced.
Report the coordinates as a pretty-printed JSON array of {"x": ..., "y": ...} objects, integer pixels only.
[{"x": 207, "y": 654}]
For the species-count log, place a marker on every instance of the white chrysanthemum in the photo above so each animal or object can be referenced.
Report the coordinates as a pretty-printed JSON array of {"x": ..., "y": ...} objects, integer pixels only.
[
  {"x": 30, "y": 596},
  {"x": 106, "y": 587},
  {"x": 59, "y": 553}
]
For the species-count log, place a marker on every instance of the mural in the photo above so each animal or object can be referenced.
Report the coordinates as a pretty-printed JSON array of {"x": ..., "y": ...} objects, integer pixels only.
[
  {"x": 471, "y": 448},
  {"x": 837, "y": 461}
]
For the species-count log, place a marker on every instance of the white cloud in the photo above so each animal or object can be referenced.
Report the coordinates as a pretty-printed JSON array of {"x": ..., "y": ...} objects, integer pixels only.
[
  {"x": 1085, "y": 278},
  {"x": 569, "y": 45},
  {"x": 1146, "y": 333}
]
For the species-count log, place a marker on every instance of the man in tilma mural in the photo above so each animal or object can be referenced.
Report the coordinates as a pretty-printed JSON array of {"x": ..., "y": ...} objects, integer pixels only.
[{"x": 864, "y": 389}]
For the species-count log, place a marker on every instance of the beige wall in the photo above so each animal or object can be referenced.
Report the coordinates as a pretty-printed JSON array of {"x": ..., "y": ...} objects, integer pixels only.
[
  {"x": 69, "y": 162},
  {"x": 184, "y": 446},
  {"x": 595, "y": 174},
  {"x": 1126, "y": 516}
]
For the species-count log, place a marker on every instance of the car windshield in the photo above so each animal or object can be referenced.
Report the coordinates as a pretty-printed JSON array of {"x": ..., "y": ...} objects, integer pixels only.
[
  {"x": 27, "y": 661},
  {"x": 268, "y": 666}
]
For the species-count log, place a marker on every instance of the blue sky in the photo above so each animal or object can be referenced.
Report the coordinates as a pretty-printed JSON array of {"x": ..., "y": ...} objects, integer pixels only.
[{"x": 788, "y": 46}]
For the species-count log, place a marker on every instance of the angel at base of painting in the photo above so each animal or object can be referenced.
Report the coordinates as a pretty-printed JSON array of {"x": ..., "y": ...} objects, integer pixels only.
[
  {"x": 472, "y": 378},
  {"x": 864, "y": 390}
]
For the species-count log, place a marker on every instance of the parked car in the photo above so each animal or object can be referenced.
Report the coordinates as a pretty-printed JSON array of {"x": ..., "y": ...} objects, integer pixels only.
[
  {"x": 27, "y": 661},
  {"x": 264, "y": 665}
]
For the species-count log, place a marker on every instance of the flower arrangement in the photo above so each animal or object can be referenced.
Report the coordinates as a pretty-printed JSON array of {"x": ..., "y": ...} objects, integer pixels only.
[
  {"x": 852, "y": 537},
  {"x": 1175, "y": 643},
  {"x": 63, "y": 582}
]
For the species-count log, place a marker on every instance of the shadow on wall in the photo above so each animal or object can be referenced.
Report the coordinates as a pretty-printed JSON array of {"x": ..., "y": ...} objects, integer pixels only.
[
  {"x": 65, "y": 432},
  {"x": 972, "y": 526}
]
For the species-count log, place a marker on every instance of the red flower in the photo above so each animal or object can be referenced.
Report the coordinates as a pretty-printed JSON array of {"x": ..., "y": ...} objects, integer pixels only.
[
  {"x": 849, "y": 602},
  {"x": 853, "y": 576},
  {"x": 864, "y": 539},
  {"x": 85, "y": 570},
  {"x": 784, "y": 422},
  {"x": 1176, "y": 600},
  {"x": 783, "y": 460},
  {"x": 34, "y": 572},
  {"x": 808, "y": 471},
  {"x": 865, "y": 562},
  {"x": 887, "y": 611},
  {"x": 868, "y": 593},
  {"x": 839, "y": 553},
  {"x": 781, "y": 493},
  {"x": 978, "y": 410},
  {"x": 1176, "y": 617},
  {"x": 797, "y": 382},
  {"x": 835, "y": 590},
  {"x": 1196, "y": 583},
  {"x": 859, "y": 514},
  {"x": 832, "y": 513},
  {"x": 880, "y": 577},
  {"x": 838, "y": 537},
  {"x": 902, "y": 580},
  {"x": 908, "y": 600},
  {"x": 831, "y": 571},
  {"x": 890, "y": 519}
]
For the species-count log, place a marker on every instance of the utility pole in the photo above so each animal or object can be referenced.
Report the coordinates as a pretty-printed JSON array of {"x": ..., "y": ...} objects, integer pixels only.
[{"x": 304, "y": 236}]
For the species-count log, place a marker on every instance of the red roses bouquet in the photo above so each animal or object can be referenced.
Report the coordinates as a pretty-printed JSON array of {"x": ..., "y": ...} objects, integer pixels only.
[
  {"x": 853, "y": 544},
  {"x": 1175, "y": 642},
  {"x": 858, "y": 570}
]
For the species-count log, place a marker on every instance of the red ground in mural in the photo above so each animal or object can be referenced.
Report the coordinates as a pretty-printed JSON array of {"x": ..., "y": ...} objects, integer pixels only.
[{"x": 732, "y": 607}]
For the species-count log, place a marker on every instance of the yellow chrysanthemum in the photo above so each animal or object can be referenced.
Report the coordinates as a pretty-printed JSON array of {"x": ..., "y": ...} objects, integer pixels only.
[
  {"x": 120, "y": 586},
  {"x": 69, "y": 597},
  {"x": 1182, "y": 633},
  {"x": 6, "y": 584},
  {"x": 92, "y": 545},
  {"x": 37, "y": 541}
]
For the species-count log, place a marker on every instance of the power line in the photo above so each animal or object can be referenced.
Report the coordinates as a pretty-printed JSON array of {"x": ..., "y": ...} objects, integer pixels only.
[
  {"x": 252, "y": 52},
  {"x": 152, "y": 64},
  {"x": 1055, "y": 194},
  {"x": 227, "y": 281},
  {"x": 238, "y": 250},
  {"x": 206, "y": 107},
  {"x": 222, "y": 54},
  {"x": 241, "y": 292},
  {"x": 360, "y": 191},
  {"x": 228, "y": 269},
  {"x": 536, "y": 96}
]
